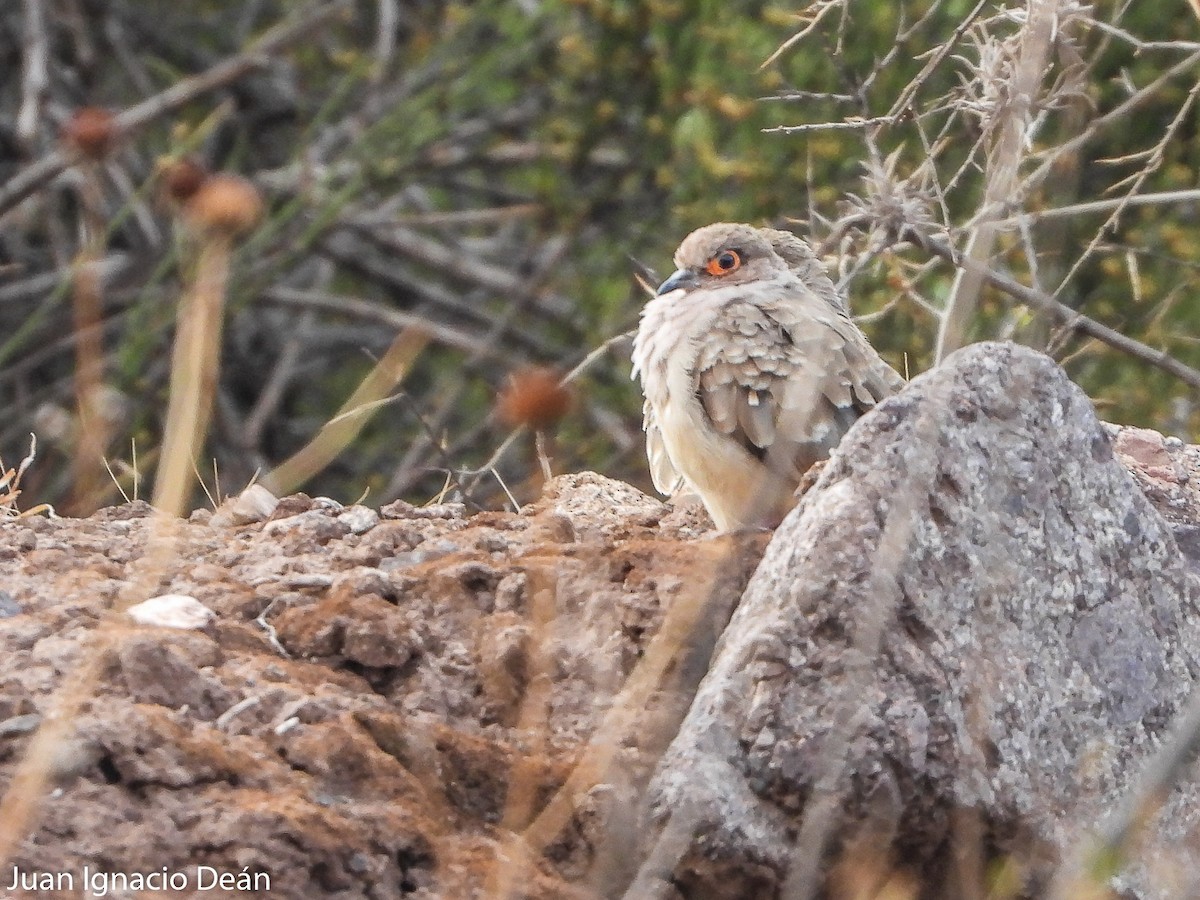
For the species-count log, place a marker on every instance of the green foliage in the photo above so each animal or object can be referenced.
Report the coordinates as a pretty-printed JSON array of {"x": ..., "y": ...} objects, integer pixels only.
[{"x": 619, "y": 125}]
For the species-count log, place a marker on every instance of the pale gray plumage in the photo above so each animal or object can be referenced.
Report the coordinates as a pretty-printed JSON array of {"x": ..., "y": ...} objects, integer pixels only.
[
  {"x": 751, "y": 373},
  {"x": 801, "y": 260}
]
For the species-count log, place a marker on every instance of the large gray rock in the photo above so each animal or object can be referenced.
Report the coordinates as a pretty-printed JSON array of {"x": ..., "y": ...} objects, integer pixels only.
[{"x": 959, "y": 647}]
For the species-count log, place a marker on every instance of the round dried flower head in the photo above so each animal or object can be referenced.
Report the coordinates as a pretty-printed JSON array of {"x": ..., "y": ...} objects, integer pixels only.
[
  {"x": 225, "y": 204},
  {"x": 181, "y": 178},
  {"x": 533, "y": 397},
  {"x": 91, "y": 132}
]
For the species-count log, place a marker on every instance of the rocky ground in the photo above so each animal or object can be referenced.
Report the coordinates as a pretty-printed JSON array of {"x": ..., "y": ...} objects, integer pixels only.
[
  {"x": 410, "y": 702},
  {"x": 381, "y": 700}
]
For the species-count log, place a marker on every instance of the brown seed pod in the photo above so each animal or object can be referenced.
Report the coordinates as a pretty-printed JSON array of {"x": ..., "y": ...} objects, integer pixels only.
[
  {"x": 225, "y": 204},
  {"x": 91, "y": 132},
  {"x": 533, "y": 396},
  {"x": 181, "y": 178}
]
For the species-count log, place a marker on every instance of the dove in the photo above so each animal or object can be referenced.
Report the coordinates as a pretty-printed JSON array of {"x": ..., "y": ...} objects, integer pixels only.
[{"x": 752, "y": 371}]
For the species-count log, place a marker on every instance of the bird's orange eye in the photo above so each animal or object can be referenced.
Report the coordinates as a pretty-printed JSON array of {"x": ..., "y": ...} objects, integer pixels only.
[{"x": 723, "y": 263}]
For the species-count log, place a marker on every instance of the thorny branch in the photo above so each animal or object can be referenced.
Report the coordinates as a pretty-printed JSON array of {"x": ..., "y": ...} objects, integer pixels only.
[
  {"x": 1060, "y": 312},
  {"x": 1013, "y": 123},
  {"x": 1016, "y": 68}
]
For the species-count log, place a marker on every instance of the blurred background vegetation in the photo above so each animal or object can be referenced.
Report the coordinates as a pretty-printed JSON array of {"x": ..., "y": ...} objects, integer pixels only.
[{"x": 499, "y": 169}]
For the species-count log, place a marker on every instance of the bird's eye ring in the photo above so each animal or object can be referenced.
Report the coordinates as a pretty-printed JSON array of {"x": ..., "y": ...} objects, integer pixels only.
[{"x": 724, "y": 262}]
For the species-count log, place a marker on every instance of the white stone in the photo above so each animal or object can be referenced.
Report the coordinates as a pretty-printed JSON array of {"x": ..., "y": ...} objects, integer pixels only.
[
  {"x": 254, "y": 504},
  {"x": 359, "y": 519},
  {"x": 171, "y": 611}
]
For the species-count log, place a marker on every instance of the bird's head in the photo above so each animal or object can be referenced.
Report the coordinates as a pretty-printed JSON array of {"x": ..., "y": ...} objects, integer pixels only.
[{"x": 722, "y": 254}]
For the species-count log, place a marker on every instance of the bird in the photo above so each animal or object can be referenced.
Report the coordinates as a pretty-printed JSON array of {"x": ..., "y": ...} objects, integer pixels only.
[{"x": 752, "y": 371}]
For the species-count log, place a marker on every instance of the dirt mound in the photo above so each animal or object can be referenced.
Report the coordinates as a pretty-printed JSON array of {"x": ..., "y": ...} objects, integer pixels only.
[{"x": 382, "y": 703}]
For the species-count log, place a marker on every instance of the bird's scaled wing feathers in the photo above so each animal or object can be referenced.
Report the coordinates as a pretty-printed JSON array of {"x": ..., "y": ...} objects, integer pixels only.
[
  {"x": 662, "y": 471},
  {"x": 788, "y": 379}
]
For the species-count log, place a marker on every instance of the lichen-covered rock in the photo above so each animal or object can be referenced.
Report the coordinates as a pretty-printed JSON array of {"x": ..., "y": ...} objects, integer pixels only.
[{"x": 975, "y": 615}]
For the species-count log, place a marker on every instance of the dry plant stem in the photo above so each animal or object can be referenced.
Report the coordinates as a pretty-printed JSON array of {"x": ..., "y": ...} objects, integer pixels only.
[
  {"x": 343, "y": 428},
  {"x": 433, "y": 427},
  {"x": 542, "y": 444},
  {"x": 583, "y": 366},
  {"x": 1155, "y": 161},
  {"x": 471, "y": 269},
  {"x": 662, "y": 653},
  {"x": 904, "y": 101},
  {"x": 1002, "y": 167},
  {"x": 1099, "y": 206},
  {"x": 195, "y": 362},
  {"x": 183, "y": 92},
  {"x": 513, "y": 856},
  {"x": 19, "y": 806},
  {"x": 92, "y": 431},
  {"x": 1117, "y": 833},
  {"x": 1062, "y": 313},
  {"x": 277, "y": 383},
  {"x": 904, "y": 34},
  {"x": 818, "y": 827},
  {"x": 385, "y": 40},
  {"x": 822, "y": 8},
  {"x": 388, "y": 270},
  {"x": 36, "y": 79},
  {"x": 89, "y": 351},
  {"x": 382, "y": 315},
  {"x": 458, "y": 217},
  {"x": 967, "y": 872},
  {"x": 1116, "y": 116}
]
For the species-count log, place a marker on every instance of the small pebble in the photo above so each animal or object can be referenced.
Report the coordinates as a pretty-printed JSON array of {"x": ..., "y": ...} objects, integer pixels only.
[
  {"x": 20, "y": 724},
  {"x": 254, "y": 504},
  {"x": 359, "y": 519},
  {"x": 171, "y": 611},
  {"x": 9, "y": 607}
]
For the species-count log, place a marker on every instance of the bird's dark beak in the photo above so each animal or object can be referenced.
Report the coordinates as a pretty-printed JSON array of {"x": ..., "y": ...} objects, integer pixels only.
[{"x": 680, "y": 278}]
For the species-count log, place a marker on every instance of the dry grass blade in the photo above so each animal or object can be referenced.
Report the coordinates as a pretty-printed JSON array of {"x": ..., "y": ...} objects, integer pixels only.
[
  {"x": 10, "y": 486},
  {"x": 519, "y": 804},
  {"x": 18, "y": 809},
  {"x": 679, "y": 629},
  {"x": 337, "y": 434},
  {"x": 48, "y": 749},
  {"x": 818, "y": 826},
  {"x": 1098, "y": 859}
]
